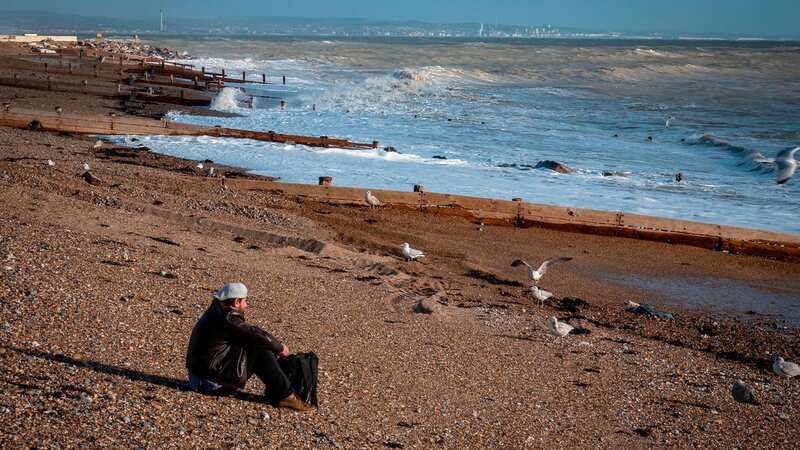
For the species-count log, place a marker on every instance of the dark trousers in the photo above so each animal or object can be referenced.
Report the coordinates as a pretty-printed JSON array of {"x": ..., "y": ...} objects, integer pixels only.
[{"x": 262, "y": 363}]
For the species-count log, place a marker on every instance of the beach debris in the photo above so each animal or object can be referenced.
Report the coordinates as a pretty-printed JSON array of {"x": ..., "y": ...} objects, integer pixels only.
[
  {"x": 390, "y": 149},
  {"x": 411, "y": 254},
  {"x": 34, "y": 125},
  {"x": 537, "y": 274},
  {"x": 785, "y": 368},
  {"x": 651, "y": 311},
  {"x": 649, "y": 138},
  {"x": 557, "y": 328},
  {"x": 372, "y": 201},
  {"x": 51, "y": 163},
  {"x": 668, "y": 122},
  {"x": 785, "y": 164},
  {"x": 481, "y": 226},
  {"x": 554, "y": 166},
  {"x": 608, "y": 173},
  {"x": 743, "y": 393},
  {"x": 540, "y": 294},
  {"x": 439, "y": 157},
  {"x": 631, "y": 305},
  {"x": 90, "y": 178}
]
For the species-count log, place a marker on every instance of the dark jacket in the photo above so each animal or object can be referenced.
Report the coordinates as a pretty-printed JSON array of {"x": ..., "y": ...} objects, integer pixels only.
[{"x": 219, "y": 343}]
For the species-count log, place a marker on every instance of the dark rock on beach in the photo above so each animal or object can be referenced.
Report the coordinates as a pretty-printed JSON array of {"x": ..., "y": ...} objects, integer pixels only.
[{"x": 554, "y": 166}]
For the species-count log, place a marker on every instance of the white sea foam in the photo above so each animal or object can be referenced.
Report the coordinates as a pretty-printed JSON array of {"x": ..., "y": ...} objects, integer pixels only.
[{"x": 228, "y": 100}]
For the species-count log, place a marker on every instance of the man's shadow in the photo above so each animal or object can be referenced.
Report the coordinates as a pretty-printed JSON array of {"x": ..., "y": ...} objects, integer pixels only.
[{"x": 172, "y": 383}]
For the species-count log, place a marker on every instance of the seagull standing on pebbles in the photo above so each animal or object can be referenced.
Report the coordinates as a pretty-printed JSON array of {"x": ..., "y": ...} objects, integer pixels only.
[
  {"x": 785, "y": 368},
  {"x": 540, "y": 294},
  {"x": 98, "y": 143},
  {"x": 86, "y": 166},
  {"x": 537, "y": 274},
  {"x": 557, "y": 328},
  {"x": 51, "y": 163},
  {"x": 411, "y": 254},
  {"x": 785, "y": 165},
  {"x": 372, "y": 201},
  {"x": 59, "y": 110},
  {"x": 743, "y": 393}
]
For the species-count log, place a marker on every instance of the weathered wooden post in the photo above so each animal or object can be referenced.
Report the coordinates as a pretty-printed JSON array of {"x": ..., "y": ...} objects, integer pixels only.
[
  {"x": 182, "y": 94},
  {"x": 85, "y": 83},
  {"x": 244, "y": 75},
  {"x": 284, "y": 79},
  {"x": 419, "y": 188},
  {"x": 203, "y": 70},
  {"x": 171, "y": 79},
  {"x": 70, "y": 68},
  {"x": 325, "y": 181},
  {"x": 49, "y": 83},
  {"x": 264, "y": 78},
  {"x": 223, "y": 73},
  {"x": 375, "y": 144},
  {"x": 16, "y": 78},
  {"x": 45, "y": 67},
  {"x": 283, "y": 104}
]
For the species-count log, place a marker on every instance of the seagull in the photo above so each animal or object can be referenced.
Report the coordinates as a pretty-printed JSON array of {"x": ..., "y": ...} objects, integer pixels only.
[
  {"x": 86, "y": 166},
  {"x": 200, "y": 166},
  {"x": 557, "y": 328},
  {"x": 58, "y": 110},
  {"x": 668, "y": 123},
  {"x": 540, "y": 294},
  {"x": 98, "y": 143},
  {"x": 372, "y": 200},
  {"x": 743, "y": 393},
  {"x": 785, "y": 368},
  {"x": 51, "y": 163},
  {"x": 211, "y": 171},
  {"x": 411, "y": 254},
  {"x": 785, "y": 164},
  {"x": 537, "y": 274}
]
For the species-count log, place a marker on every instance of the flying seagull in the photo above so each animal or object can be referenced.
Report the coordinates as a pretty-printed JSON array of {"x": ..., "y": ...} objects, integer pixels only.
[
  {"x": 411, "y": 254},
  {"x": 540, "y": 294},
  {"x": 372, "y": 201},
  {"x": 557, "y": 328},
  {"x": 743, "y": 393},
  {"x": 785, "y": 368},
  {"x": 785, "y": 165},
  {"x": 537, "y": 274}
]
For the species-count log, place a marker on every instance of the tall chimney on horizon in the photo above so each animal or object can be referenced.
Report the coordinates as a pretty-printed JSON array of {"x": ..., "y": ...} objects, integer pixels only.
[{"x": 161, "y": 26}]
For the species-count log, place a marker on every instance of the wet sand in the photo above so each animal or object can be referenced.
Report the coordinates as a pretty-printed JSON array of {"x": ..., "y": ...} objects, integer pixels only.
[{"x": 102, "y": 283}]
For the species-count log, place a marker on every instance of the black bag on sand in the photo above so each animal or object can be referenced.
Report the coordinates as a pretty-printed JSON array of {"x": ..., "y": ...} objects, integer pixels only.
[{"x": 301, "y": 369}]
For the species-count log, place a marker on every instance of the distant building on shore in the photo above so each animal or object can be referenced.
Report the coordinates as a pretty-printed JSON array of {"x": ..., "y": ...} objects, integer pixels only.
[{"x": 27, "y": 38}]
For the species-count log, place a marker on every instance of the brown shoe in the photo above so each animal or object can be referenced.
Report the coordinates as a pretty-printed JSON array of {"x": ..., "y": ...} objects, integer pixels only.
[{"x": 294, "y": 402}]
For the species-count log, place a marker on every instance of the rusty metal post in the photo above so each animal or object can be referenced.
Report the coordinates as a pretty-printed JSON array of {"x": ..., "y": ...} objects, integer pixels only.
[
  {"x": 519, "y": 219},
  {"x": 325, "y": 181}
]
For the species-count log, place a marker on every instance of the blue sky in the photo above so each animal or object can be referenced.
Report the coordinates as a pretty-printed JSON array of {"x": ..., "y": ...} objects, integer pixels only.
[{"x": 768, "y": 17}]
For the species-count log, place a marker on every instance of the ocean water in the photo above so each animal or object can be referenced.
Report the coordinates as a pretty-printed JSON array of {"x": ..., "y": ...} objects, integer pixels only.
[{"x": 494, "y": 109}]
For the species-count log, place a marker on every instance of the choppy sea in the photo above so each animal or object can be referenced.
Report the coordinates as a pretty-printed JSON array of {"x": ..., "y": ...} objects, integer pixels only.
[{"x": 472, "y": 117}]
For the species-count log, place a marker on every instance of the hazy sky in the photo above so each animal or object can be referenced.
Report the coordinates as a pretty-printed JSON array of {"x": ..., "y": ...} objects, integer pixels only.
[{"x": 773, "y": 17}]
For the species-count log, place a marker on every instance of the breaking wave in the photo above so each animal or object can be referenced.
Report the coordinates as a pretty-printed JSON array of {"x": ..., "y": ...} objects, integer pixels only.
[
  {"x": 227, "y": 100},
  {"x": 753, "y": 159}
]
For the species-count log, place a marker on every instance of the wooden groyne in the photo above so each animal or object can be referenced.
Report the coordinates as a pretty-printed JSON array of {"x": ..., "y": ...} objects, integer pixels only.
[
  {"x": 128, "y": 125},
  {"x": 783, "y": 246}
]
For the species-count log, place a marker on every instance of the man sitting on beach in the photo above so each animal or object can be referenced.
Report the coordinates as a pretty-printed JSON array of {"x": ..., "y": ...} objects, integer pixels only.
[{"x": 224, "y": 352}]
